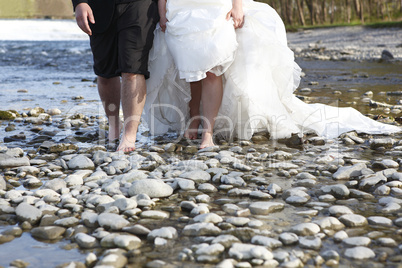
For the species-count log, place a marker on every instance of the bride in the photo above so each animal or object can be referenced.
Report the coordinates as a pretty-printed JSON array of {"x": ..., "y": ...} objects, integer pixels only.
[{"x": 233, "y": 75}]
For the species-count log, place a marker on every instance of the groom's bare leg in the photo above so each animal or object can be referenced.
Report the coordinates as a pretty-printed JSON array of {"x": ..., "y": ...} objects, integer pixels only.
[
  {"x": 194, "y": 105},
  {"x": 109, "y": 93},
  {"x": 211, "y": 98},
  {"x": 133, "y": 94}
]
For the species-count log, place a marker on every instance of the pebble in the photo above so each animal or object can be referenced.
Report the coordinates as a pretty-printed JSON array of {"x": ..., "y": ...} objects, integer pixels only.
[
  {"x": 359, "y": 253},
  {"x": 152, "y": 187}
]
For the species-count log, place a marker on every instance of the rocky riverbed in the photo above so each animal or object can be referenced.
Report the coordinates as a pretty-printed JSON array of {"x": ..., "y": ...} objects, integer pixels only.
[{"x": 307, "y": 202}]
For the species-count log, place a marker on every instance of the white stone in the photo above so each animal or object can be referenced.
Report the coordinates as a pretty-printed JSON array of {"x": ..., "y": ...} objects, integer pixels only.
[
  {"x": 112, "y": 221},
  {"x": 128, "y": 242},
  {"x": 85, "y": 241},
  {"x": 357, "y": 241},
  {"x": 154, "y": 188},
  {"x": 265, "y": 208},
  {"x": 269, "y": 242},
  {"x": 208, "y": 217},
  {"x": 359, "y": 253},
  {"x": 353, "y": 220},
  {"x": 164, "y": 232},
  {"x": 26, "y": 212},
  {"x": 304, "y": 229}
]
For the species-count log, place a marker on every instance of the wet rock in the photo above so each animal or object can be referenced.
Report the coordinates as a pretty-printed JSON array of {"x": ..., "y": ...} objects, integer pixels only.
[
  {"x": 2, "y": 183},
  {"x": 164, "y": 232},
  {"x": 11, "y": 162},
  {"x": 288, "y": 238},
  {"x": 48, "y": 232},
  {"x": 199, "y": 229},
  {"x": 67, "y": 222},
  {"x": 265, "y": 208},
  {"x": 359, "y": 253},
  {"x": 305, "y": 229},
  {"x": 386, "y": 55},
  {"x": 152, "y": 187},
  {"x": 248, "y": 251},
  {"x": 269, "y": 242},
  {"x": 85, "y": 241},
  {"x": 379, "y": 221},
  {"x": 80, "y": 162},
  {"x": 338, "y": 190},
  {"x": 346, "y": 172},
  {"x": 330, "y": 223},
  {"x": 338, "y": 210},
  {"x": 26, "y": 212},
  {"x": 127, "y": 242},
  {"x": 112, "y": 221},
  {"x": 310, "y": 242},
  {"x": 353, "y": 220}
]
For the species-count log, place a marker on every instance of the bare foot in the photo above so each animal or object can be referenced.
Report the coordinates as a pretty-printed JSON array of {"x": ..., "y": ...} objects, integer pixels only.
[
  {"x": 192, "y": 131},
  {"x": 127, "y": 143},
  {"x": 207, "y": 140},
  {"x": 114, "y": 131}
]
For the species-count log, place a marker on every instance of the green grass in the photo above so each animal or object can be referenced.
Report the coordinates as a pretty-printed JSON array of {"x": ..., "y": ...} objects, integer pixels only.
[{"x": 388, "y": 24}]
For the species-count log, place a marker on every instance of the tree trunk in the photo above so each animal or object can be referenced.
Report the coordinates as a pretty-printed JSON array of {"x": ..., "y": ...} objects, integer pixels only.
[
  {"x": 324, "y": 13},
  {"x": 348, "y": 11},
  {"x": 310, "y": 6},
  {"x": 300, "y": 12},
  {"x": 332, "y": 11}
]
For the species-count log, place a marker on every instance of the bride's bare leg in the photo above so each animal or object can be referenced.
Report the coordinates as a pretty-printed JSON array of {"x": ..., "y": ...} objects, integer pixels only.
[
  {"x": 194, "y": 105},
  {"x": 211, "y": 98}
]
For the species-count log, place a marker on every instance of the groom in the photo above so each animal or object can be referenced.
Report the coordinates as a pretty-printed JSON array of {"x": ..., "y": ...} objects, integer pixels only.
[{"x": 121, "y": 36}]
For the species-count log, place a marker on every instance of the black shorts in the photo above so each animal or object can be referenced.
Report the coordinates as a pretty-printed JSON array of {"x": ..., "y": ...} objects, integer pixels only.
[{"x": 124, "y": 47}]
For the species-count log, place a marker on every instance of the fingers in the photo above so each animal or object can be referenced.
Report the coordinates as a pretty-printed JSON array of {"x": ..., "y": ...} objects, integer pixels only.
[
  {"x": 238, "y": 23},
  {"x": 84, "y": 15},
  {"x": 229, "y": 15}
]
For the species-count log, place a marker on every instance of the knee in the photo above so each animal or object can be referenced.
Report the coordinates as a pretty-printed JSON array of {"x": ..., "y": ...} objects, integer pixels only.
[
  {"x": 130, "y": 76},
  {"x": 212, "y": 77},
  {"x": 106, "y": 81}
]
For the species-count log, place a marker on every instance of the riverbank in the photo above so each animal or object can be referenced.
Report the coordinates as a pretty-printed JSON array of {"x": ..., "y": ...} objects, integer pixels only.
[{"x": 68, "y": 199}]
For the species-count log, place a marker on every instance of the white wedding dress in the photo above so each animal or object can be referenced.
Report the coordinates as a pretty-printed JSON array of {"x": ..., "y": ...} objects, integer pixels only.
[{"x": 259, "y": 75}]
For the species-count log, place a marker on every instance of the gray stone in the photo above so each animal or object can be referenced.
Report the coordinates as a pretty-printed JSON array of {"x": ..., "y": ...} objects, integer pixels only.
[
  {"x": 48, "y": 232},
  {"x": 2, "y": 183},
  {"x": 338, "y": 190},
  {"x": 379, "y": 221},
  {"x": 55, "y": 184},
  {"x": 346, "y": 172},
  {"x": 226, "y": 240},
  {"x": 85, "y": 241},
  {"x": 90, "y": 219},
  {"x": 353, "y": 220},
  {"x": 310, "y": 242},
  {"x": 241, "y": 251},
  {"x": 359, "y": 253},
  {"x": 305, "y": 229},
  {"x": 11, "y": 162},
  {"x": 208, "y": 217},
  {"x": 357, "y": 241},
  {"x": 330, "y": 223},
  {"x": 269, "y": 242},
  {"x": 199, "y": 229},
  {"x": 265, "y": 208},
  {"x": 164, "y": 232},
  {"x": 371, "y": 180},
  {"x": 338, "y": 210},
  {"x": 152, "y": 187},
  {"x": 26, "y": 212},
  {"x": 288, "y": 238},
  {"x": 127, "y": 242},
  {"x": 112, "y": 221},
  {"x": 67, "y": 222},
  {"x": 80, "y": 162}
]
